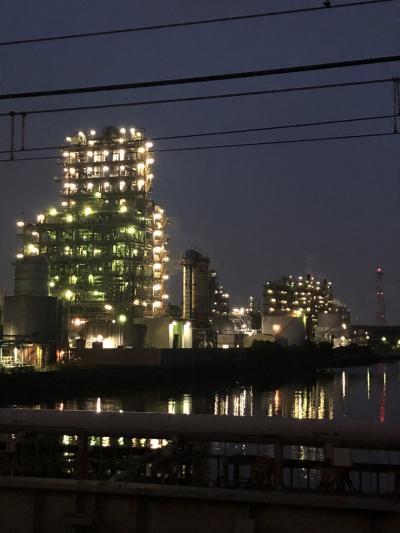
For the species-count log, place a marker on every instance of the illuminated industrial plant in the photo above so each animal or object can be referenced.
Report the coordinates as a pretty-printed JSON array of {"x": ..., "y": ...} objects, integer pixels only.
[
  {"x": 106, "y": 241},
  {"x": 304, "y": 297}
]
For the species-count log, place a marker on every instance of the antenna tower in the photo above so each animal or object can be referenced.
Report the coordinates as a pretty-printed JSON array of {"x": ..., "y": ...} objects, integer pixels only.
[{"x": 380, "y": 298}]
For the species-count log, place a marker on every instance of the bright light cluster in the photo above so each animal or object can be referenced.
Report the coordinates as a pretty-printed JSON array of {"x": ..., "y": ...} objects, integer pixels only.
[{"x": 107, "y": 237}]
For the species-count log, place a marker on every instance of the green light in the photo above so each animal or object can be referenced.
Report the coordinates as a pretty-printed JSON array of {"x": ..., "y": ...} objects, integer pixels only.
[{"x": 122, "y": 319}]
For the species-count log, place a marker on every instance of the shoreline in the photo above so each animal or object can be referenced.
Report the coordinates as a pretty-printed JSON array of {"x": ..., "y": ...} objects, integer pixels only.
[{"x": 262, "y": 366}]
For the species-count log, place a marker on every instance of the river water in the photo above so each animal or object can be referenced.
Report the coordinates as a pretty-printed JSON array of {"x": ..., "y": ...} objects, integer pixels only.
[{"x": 363, "y": 394}]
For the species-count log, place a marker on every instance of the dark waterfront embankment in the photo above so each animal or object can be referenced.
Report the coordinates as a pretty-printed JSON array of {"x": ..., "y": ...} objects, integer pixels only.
[{"x": 263, "y": 364}]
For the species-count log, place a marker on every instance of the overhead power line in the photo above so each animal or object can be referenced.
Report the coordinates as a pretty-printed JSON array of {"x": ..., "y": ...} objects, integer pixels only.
[
  {"x": 235, "y": 145},
  {"x": 275, "y": 127},
  {"x": 189, "y": 23},
  {"x": 206, "y": 79},
  {"x": 201, "y": 98},
  {"x": 269, "y": 143}
]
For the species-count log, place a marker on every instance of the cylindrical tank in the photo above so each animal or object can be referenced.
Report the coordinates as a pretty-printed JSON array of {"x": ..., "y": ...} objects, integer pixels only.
[{"x": 32, "y": 276}]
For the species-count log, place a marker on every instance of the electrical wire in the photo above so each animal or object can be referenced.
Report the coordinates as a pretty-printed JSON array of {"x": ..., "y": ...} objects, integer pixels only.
[
  {"x": 201, "y": 98},
  {"x": 269, "y": 143},
  {"x": 189, "y": 23},
  {"x": 227, "y": 132},
  {"x": 206, "y": 79},
  {"x": 234, "y": 145}
]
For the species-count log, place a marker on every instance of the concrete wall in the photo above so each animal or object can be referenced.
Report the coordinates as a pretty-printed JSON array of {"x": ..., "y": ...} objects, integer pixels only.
[
  {"x": 119, "y": 357},
  {"x": 30, "y": 505}
]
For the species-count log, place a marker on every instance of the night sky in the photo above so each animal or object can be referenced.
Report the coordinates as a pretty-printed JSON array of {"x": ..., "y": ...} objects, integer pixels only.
[{"x": 329, "y": 208}]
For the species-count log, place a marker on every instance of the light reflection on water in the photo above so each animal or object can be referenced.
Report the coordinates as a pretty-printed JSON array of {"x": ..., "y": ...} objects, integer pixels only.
[{"x": 361, "y": 393}]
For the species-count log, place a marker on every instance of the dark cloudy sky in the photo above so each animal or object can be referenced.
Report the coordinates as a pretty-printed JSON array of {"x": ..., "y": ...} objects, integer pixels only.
[{"x": 331, "y": 208}]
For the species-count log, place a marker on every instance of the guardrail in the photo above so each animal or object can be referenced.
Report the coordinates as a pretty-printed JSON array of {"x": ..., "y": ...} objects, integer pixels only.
[{"x": 202, "y": 450}]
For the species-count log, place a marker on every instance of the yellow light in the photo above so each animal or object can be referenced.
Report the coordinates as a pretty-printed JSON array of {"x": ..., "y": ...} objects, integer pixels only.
[
  {"x": 136, "y": 302},
  {"x": 157, "y": 216},
  {"x": 157, "y": 266},
  {"x": 123, "y": 209},
  {"x": 157, "y": 233},
  {"x": 88, "y": 211},
  {"x": 122, "y": 131},
  {"x": 122, "y": 319},
  {"x": 32, "y": 249},
  {"x": 132, "y": 131},
  {"x": 68, "y": 294},
  {"x": 276, "y": 328},
  {"x": 149, "y": 161},
  {"x": 157, "y": 304},
  {"x": 140, "y": 184},
  {"x": 92, "y": 132},
  {"x": 157, "y": 287},
  {"x": 90, "y": 154},
  {"x": 68, "y": 139},
  {"x": 131, "y": 230},
  {"x": 53, "y": 212},
  {"x": 20, "y": 256},
  {"x": 149, "y": 144},
  {"x": 141, "y": 150},
  {"x": 105, "y": 169},
  {"x": 20, "y": 224},
  {"x": 108, "y": 307},
  {"x": 65, "y": 154},
  {"x": 40, "y": 219},
  {"x": 165, "y": 296}
]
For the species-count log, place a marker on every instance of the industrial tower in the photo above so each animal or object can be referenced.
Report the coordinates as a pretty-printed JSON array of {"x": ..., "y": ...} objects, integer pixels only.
[
  {"x": 380, "y": 297},
  {"x": 105, "y": 242}
]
